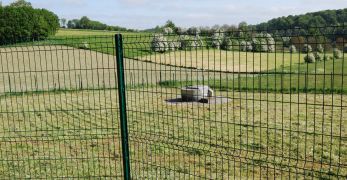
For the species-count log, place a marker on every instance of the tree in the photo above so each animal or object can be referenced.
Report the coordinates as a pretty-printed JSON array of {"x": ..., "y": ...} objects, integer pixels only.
[
  {"x": 171, "y": 25},
  {"x": 63, "y": 22},
  {"x": 84, "y": 22},
  {"x": 307, "y": 48},
  {"x": 310, "y": 58},
  {"x": 167, "y": 30},
  {"x": 159, "y": 43},
  {"x": 21, "y": 23},
  {"x": 21, "y": 3}
]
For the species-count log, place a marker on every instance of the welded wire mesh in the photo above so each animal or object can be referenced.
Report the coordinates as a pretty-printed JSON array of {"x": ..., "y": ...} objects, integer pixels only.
[
  {"x": 271, "y": 115},
  {"x": 59, "y": 109},
  {"x": 279, "y": 108}
]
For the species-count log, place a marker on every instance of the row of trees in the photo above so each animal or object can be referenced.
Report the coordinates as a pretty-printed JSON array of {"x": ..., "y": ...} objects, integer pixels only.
[
  {"x": 19, "y": 21},
  {"x": 86, "y": 23},
  {"x": 316, "y": 19}
]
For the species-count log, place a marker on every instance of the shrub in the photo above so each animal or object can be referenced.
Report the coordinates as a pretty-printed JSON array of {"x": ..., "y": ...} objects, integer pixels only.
[
  {"x": 159, "y": 43},
  {"x": 320, "y": 48},
  {"x": 327, "y": 58},
  {"x": 306, "y": 48},
  {"x": 173, "y": 46},
  {"x": 249, "y": 46},
  {"x": 198, "y": 41},
  {"x": 318, "y": 56},
  {"x": 227, "y": 43},
  {"x": 193, "y": 31},
  {"x": 292, "y": 49},
  {"x": 337, "y": 53},
  {"x": 270, "y": 42},
  {"x": 310, "y": 58},
  {"x": 264, "y": 42},
  {"x": 259, "y": 45},
  {"x": 189, "y": 42},
  {"x": 216, "y": 40},
  {"x": 243, "y": 45},
  {"x": 246, "y": 46},
  {"x": 167, "y": 30}
]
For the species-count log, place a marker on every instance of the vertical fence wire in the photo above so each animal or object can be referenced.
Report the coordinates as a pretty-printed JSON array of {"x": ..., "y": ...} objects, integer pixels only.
[
  {"x": 59, "y": 109},
  {"x": 277, "y": 109}
]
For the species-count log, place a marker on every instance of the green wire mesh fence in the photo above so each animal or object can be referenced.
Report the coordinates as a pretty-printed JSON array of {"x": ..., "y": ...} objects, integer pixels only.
[
  {"x": 59, "y": 109},
  {"x": 278, "y": 109},
  {"x": 271, "y": 104}
]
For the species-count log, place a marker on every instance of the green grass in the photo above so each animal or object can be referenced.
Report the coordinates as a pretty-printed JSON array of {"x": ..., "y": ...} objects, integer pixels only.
[
  {"x": 70, "y": 132},
  {"x": 88, "y": 32},
  {"x": 76, "y": 134},
  {"x": 321, "y": 77}
]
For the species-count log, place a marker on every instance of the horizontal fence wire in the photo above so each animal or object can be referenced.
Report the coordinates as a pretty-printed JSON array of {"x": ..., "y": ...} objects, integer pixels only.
[
  {"x": 59, "y": 109},
  {"x": 278, "y": 108}
]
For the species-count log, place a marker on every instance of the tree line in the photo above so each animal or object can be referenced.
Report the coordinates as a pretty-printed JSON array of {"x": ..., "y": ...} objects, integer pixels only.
[
  {"x": 86, "y": 23},
  {"x": 315, "y": 19},
  {"x": 19, "y": 21}
]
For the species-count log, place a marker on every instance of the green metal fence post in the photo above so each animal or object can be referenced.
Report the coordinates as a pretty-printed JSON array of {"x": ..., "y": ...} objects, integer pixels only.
[{"x": 122, "y": 106}]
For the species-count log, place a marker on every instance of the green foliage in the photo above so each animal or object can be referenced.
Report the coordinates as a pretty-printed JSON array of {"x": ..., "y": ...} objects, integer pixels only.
[
  {"x": 63, "y": 22},
  {"x": 320, "y": 48},
  {"x": 345, "y": 48},
  {"x": 315, "y": 19},
  {"x": 318, "y": 56},
  {"x": 216, "y": 40},
  {"x": 159, "y": 43},
  {"x": 86, "y": 23},
  {"x": 167, "y": 30},
  {"x": 310, "y": 58},
  {"x": 190, "y": 42},
  {"x": 170, "y": 24},
  {"x": 20, "y": 3},
  {"x": 307, "y": 48},
  {"x": 259, "y": 45},
  {"x": 20, "y": 22},
  {"x": 228, "y": 43}
]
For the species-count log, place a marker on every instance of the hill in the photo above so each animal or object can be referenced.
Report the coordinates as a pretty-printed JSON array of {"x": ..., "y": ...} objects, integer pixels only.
[{"x": 314, "y": 19}]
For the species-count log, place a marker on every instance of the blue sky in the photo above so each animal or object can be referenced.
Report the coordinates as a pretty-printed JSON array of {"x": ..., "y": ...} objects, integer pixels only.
[{"x": 141, "y": 14}]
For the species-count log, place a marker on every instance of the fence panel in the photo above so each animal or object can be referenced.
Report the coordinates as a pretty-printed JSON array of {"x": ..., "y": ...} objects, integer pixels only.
[
  {"x": 278, "y": 108},
  {"x": 59, "y": 109}
]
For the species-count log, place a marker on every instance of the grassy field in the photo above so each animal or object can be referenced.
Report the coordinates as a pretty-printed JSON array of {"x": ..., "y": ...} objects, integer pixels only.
[
  {"x": 75, "y": 134},
  {"x": 59, "y": 112},
  {"x": 231, "y": 61},
  {"x": 82, "y": 32},
  {"x": 321, "y": 77}
]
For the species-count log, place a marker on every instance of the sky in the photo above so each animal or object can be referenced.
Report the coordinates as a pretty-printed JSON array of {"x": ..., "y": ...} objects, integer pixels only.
[{"x": 143, "y": 14}]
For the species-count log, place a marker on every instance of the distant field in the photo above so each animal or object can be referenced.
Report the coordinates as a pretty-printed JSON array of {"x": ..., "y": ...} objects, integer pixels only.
[
  {"x": 232, "y": 61},
  {"x": 320, "y": 77},
  {"x": 82, "y": 32}
]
